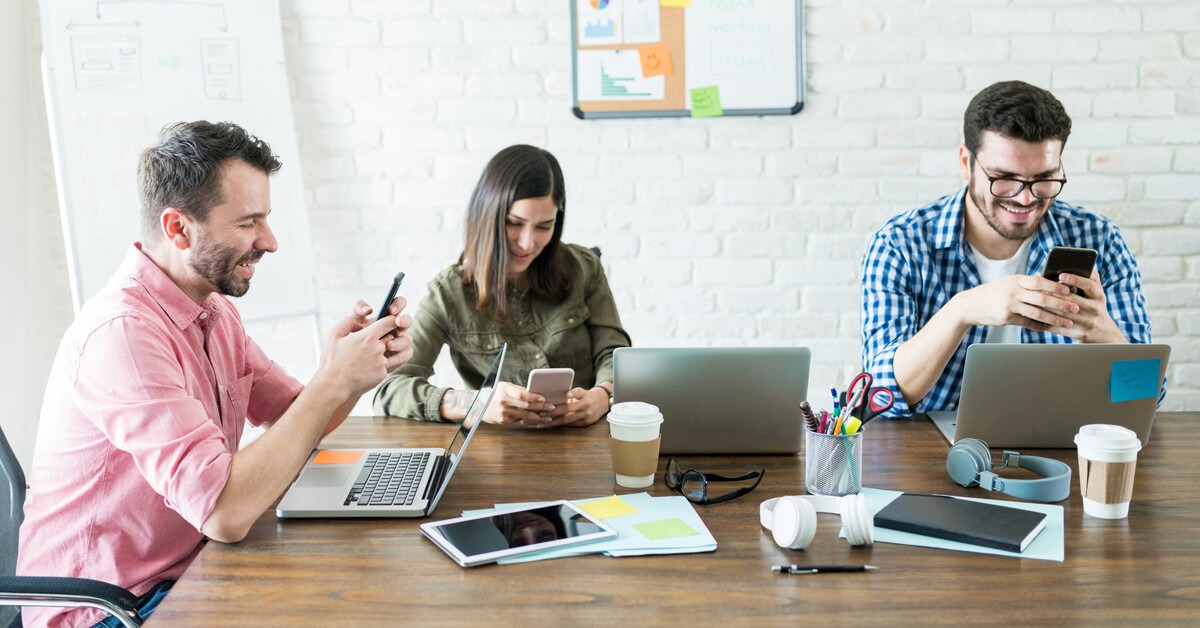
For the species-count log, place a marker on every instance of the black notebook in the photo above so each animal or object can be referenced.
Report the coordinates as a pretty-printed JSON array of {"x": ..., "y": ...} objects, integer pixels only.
[{"x": 962, "y": 520}]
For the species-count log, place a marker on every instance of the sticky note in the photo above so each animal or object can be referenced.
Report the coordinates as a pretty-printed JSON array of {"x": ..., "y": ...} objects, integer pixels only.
[
  {"x": 675, "y": 4},
  {"x": 608, "y": 508},
  {"x": 663, "y": 529},
  {"x": 656, "y": 60},
  {"x": 1134, "y": 379},
  {"x": 706, "y": 102},
  {"x": 338, "y": 456}
]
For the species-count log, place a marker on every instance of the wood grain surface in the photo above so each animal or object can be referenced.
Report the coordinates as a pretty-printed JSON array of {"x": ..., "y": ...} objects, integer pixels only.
[{"x": 1144, "y": 569}]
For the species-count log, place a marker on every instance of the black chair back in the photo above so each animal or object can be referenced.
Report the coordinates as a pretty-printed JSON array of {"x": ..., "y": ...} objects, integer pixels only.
[{"x": 12, "y": 513}]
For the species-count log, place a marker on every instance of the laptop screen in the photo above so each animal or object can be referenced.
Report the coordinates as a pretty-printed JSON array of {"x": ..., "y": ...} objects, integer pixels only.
[{"x": 478, "y": 407}]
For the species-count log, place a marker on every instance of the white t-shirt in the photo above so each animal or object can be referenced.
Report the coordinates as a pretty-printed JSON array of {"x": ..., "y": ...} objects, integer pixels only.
[{"x": 993, "y": 269}]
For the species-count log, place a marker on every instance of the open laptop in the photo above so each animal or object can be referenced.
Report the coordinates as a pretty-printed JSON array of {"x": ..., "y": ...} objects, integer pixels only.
[
  {"x": 392, "y": 482},
  {"x": 719, "y": 400},
  {"x": 1037, "y": 395}
]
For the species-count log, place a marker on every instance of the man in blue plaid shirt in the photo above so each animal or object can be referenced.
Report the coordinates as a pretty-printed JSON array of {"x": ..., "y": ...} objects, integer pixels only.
[{"x": 965, "y": 268}]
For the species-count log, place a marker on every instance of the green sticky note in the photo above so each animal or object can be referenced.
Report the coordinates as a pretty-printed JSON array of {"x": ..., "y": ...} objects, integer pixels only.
[
  {"x": 706, "y": 102},
  {"x": 1134, "y": 379},
  {"x": 664, "y": 529}
]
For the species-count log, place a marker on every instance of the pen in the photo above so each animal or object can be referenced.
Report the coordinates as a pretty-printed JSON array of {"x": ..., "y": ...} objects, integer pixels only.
[{"x": 807, "y": 569}]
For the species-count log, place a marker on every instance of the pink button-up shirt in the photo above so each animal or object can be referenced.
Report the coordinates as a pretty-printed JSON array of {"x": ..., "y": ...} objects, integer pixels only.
[{"x": 144, "y": 409}]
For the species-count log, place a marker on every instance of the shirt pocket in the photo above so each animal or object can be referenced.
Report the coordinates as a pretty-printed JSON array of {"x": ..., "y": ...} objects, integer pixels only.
[
  {"x": 568, "y": 341},
  {"x": 237, "y": 405}
]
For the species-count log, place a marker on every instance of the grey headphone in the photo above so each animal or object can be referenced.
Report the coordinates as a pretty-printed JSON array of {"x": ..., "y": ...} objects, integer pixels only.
[{"x": 970, "y": 464}]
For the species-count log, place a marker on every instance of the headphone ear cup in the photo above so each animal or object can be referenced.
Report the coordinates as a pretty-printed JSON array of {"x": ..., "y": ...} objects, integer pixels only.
[
  {"x": 967, "y": 459},
  {"x": 794, "y": 523},
  {"x": 856, "y": 520}
]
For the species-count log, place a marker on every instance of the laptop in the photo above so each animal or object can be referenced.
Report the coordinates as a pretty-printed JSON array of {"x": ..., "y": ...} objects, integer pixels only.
[
  {"x": 719, "y": 400},
  {"x": 392, "y": 482},
  {"x": 1038, "y": 395}
]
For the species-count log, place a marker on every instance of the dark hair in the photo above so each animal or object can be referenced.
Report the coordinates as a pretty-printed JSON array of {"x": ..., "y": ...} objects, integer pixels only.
[
  {"x": 1017, "y": 110},
  {"x": 514, "y": 174},
  {"x": 184, "y": 169}
]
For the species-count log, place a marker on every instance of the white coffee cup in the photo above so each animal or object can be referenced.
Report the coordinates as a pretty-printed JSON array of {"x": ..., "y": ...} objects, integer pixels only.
[
  {"x": 1107, "y": 461},
  {"x": 634, "y": 427}
]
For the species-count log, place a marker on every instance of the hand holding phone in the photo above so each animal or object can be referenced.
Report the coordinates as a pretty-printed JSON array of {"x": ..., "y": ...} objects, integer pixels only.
[
  {"x": 1069, "y": 260},
  {"x": 391, "y": 295},
  {"x": 553, "y": 384}
]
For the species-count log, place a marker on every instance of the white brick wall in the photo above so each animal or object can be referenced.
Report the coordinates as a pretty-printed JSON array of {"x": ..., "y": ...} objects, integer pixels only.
[{"x": 721, "y": 231}]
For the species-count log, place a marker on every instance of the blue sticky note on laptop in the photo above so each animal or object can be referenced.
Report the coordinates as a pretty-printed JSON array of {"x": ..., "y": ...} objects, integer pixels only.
[{"x": 1134, "y": 379}]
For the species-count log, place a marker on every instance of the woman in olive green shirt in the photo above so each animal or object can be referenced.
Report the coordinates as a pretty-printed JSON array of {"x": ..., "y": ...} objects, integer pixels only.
[{"x": 516, "y": 282}]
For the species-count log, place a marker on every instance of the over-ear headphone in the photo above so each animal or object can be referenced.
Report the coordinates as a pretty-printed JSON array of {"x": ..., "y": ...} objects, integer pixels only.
[
  {"x": 970, "y": 464},
  {"x": 792, "y": 519}
]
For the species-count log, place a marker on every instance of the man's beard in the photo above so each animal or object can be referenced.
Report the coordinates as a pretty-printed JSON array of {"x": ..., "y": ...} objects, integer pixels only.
[
  {"x": 991, "y": 212},
  {"x": 218, "y": 264}
]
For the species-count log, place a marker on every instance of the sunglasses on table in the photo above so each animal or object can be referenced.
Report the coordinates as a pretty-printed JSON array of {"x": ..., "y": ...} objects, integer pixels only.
[{"x": 693, "y": 484}]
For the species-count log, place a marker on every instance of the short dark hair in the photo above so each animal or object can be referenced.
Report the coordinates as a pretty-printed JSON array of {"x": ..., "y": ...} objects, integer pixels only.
[
  {"x": 516, "y": 173},
  {"x": 184, "y": 169},
  {"x": 1017, "y": 110}
]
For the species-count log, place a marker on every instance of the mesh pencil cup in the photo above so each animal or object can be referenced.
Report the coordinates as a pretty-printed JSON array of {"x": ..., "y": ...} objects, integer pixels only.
[{"x": 832, "y": 463}]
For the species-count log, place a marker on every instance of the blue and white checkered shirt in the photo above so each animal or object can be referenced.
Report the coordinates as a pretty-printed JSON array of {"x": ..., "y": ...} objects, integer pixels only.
[{"x": 920, "y": 259}]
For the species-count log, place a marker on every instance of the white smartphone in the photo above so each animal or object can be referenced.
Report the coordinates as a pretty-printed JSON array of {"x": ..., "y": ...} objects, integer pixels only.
[
  {"x": 553, "y": 384},
  {"x": 481, "y": 539}
]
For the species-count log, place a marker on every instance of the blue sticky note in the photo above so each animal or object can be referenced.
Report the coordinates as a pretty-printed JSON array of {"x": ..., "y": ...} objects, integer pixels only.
[{"x": 1134, "y": 379}]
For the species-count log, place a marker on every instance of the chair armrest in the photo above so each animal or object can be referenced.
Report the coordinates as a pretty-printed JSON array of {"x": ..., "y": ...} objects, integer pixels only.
[{"x": 70, "y": 592}]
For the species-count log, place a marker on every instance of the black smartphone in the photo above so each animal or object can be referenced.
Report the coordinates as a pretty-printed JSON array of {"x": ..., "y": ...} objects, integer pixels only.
[
  {"x": 391, "y": 295},
  {"x": 1070, "y": 260}
]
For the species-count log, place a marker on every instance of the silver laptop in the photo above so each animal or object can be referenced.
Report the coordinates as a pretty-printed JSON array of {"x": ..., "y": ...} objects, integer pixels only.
[
  {"x": 1027, "y": 395},
  {"x": 392, "y": 482},
  {"x": 719, "y": 400}
]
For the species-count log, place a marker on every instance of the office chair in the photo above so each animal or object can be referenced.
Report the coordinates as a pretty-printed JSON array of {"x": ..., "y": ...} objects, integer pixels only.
[{"x": 17, "y": 591}]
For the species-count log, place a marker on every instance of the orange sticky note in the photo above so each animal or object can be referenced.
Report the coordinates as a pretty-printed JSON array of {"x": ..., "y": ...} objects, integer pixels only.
[
  {"x": 656, "y": 60},
  {"x": 338, "y": 456}
]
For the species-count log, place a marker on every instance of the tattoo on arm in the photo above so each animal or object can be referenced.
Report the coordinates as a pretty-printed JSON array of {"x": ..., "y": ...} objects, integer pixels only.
[{"x": 455, "y": 403}]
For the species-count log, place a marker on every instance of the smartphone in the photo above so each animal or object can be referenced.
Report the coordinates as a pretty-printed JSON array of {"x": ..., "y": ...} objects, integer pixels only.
[
  {"x": 391, "y": 295},
  {"x": 1070, "y": 260},
  {"x": 553, "y": 384}
]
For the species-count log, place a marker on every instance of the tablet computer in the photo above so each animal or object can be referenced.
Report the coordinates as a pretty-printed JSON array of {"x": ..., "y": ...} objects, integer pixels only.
[{"x": 480, "y": 539}]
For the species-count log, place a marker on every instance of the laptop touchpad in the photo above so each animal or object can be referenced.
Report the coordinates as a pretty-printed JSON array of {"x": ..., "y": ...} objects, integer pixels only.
[{"x": 324, "y": 477}]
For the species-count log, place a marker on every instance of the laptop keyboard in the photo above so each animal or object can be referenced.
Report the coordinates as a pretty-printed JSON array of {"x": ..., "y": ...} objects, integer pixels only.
[{"x": 388, "y": 479}]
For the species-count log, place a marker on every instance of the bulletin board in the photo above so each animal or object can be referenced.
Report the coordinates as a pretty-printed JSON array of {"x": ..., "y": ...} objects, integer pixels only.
[{"x": 680, "y": 58}]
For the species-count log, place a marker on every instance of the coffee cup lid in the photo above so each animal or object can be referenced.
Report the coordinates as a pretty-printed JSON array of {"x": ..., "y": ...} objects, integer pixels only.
[
  {"x": 634, "y": 413},
  {"x": 1102, "y": 437}
]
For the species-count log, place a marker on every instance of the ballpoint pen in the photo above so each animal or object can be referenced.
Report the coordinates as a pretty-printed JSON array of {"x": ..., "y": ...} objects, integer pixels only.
[{"x": 807, "y": 569}]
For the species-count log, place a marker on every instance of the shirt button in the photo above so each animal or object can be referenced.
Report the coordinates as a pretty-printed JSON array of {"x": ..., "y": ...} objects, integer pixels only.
[
  {"x": 571, "y": 321},
  {"x": 203, "y": 315},
  {"x": 490, "y": 346},
  {"x": 537, "y": 356}
]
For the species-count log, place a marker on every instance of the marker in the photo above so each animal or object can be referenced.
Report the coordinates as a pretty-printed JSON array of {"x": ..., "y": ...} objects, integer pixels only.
[{"x": 807, "y": 569}]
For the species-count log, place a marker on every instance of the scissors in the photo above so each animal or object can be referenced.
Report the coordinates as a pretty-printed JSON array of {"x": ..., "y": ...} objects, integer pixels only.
[{"x": 866, "y": 402}]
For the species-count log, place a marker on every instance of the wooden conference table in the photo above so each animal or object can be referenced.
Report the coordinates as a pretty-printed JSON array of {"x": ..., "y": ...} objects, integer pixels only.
[{"x": 1144, "y": 569}]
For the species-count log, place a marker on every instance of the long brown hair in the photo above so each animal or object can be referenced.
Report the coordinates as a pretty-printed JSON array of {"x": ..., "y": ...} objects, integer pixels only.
[{"x": 516, "y": 173}]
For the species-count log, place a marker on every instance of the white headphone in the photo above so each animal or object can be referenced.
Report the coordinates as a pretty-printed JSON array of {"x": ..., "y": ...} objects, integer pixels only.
[{"x": 792, "y": 519}]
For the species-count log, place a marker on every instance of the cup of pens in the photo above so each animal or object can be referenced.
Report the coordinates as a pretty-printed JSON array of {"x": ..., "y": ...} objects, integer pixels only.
[{"x": 833, "y": 442}]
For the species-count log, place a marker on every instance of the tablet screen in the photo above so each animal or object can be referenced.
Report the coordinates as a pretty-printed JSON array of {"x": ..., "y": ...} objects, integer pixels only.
[{"x": 480, "y": 539}]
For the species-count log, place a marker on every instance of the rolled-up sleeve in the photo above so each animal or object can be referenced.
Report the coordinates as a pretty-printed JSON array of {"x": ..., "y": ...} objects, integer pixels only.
[
  {"x": 407, "y": 392},
  {"x": 889, "y": 314}
]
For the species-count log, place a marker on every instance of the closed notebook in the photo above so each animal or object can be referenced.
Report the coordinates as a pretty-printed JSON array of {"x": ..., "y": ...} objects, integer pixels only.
[{"x": 962, "y": 520}]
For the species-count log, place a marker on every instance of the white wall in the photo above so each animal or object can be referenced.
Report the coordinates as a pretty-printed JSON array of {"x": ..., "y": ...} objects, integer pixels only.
[{"x": 719, "y": 231}]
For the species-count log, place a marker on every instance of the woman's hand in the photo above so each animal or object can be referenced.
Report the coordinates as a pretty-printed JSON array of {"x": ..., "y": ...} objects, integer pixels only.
[
  {"x": 515, "y": 406},
  {"x": 583, "y": 407}
]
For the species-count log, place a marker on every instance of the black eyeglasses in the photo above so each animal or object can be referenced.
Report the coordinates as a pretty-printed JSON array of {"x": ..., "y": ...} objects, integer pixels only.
[
  {"x": 693, "y": 484},
  {"x": 1008, "y": 187}
]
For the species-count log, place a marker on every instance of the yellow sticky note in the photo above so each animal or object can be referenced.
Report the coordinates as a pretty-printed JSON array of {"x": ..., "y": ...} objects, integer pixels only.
[
  {"x": 608, "y": 508},
  {"x": 338, "y": 456},
  {"x": 706, "y": 102},
  {"x": 675, "y": 4},
  {"x": 663, "y": 529},
  {"x": 656, "y": 60}
]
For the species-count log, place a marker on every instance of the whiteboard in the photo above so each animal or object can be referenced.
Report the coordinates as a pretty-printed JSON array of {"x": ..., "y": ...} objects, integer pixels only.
[
  {"x": 116, "y": 72},
  {"x": 640, "y": 58}
]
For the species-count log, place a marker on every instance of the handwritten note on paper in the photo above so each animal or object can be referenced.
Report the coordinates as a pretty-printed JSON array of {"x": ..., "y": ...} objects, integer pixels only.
[
  {"x": 608, "y": 508},
  {"x": 663, "y": 529},
  {"x": 1134, "y": 379},
  {"x": 656, "y": 60},
  {"x": 706, "y": 102}
]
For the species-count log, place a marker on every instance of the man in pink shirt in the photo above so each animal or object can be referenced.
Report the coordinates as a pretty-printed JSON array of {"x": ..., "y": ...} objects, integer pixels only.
[{"x": 137, "y": 459}]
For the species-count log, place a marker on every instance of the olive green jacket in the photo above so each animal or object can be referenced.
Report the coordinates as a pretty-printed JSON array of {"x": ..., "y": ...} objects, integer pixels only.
[{"x": 581, "y": 332}]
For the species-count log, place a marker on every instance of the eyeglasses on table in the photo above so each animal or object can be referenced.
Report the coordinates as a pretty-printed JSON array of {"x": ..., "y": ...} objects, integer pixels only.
[{"x": 693, "y": 484}]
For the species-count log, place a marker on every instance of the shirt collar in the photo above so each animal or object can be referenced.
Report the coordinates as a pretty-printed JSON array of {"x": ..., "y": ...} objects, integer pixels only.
[{"x": 178, "y": 306}]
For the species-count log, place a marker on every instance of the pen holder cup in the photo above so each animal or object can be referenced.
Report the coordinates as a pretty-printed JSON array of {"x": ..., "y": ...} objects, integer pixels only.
[{"x": 832, "y": 463}]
